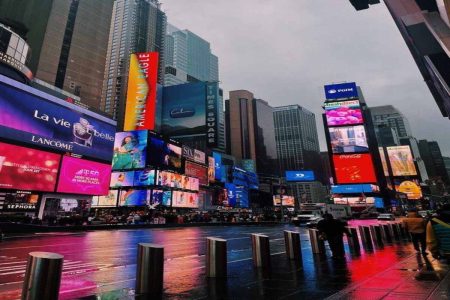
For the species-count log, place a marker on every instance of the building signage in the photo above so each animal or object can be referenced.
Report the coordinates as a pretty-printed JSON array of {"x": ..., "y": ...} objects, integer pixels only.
[
  {"x": 31, "y": 116},
  {"x": 212, "y": 94},
  {"x": 300, "y": 175},
  {"x": 402, "y": 161},
  {"x": 354, "y": 188},
  {"x": 140, "y": 110},
  {"x": 341, "y": 91}
]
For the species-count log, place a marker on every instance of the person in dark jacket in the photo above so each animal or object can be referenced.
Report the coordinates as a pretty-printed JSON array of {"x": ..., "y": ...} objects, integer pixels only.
[
  {"x": 334, "y": 232},
  {"x": 438, "y": 233},
  {"x": 416, "y": 226}
]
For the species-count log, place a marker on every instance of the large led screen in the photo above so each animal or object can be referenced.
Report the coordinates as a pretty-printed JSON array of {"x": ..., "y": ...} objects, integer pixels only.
[
  {"x": 109, "y": 200},
  {"x": 348, "y": 139},
  {"x": 164, "y": 155},
  {"x": 195, "y": 170},
  {"x": 301, "y": 175},
  {"x": 211, "y": 169},
  {"x": 79, "y": 176},
  {"x": 287, "y": 200},
  {"x": 134, "y": 197},
  {"x": 184, "y": 109},
  {"x": 343, "y": 113},
  {"x": 341, "y": 90},
  {"x": 30, "y": 116},
  {"x": 354, "y": 168},
  {"x": 402, "y": 162},
  {"x": 122, "y": 179},
  {"x": 27, "y": 169},
  {"x": 169, "y": 179},
  {"x": 184, "y": 199},
  {"x": 141, "y": 93},
  {"x": 411, "y": 188},
  {"x": 383, "y": 161},
  {"x": 160, "y": 197},
  {"x": 130, "y": 150},
  {"x": 144, "y": 177}
]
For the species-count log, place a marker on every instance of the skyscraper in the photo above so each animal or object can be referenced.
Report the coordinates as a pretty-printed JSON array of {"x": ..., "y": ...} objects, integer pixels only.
[
  {"x": 425, "y": 27},
  {"x": 434, "y": 162},
  {"x": 389, "y": 116},
  {"x": 136, "y": 26},
  {"x": 189, "y": 58},
  {"x": 68, "y": 41},
  {"x": 251, "y": 132}
]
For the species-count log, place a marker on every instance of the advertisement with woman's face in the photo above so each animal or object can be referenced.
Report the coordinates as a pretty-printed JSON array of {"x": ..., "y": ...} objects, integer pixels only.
[{"x": 130, "y": 150}]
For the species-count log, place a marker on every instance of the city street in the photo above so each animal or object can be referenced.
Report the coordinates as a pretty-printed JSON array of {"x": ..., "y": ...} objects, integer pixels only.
[{"x": 104, "y": 262}]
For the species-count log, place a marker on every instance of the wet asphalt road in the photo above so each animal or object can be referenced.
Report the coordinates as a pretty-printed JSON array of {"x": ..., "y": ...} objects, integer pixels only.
[{"x": 104, "y": 263}]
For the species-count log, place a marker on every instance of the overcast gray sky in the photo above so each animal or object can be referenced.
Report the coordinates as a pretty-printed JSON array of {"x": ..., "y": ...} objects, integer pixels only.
[{"x": 284, "y": 51}]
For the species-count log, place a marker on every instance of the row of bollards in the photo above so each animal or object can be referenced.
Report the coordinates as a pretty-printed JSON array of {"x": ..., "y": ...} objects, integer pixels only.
[{"x": 44, "y": 269}]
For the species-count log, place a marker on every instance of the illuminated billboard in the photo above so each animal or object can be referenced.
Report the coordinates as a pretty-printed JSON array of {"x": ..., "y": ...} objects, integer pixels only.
[
  {"x": 341, "y": 91},
  {"x": 354, "y": 188},
  {"x": 211, "y": 169},
  {"x": 411, "y": 188},
  {"x": 354, "y": 168},
  {"x": 161, "y": 197},
  {"x": 134, "y": 197},
  {"x": 184, "y": 199},
  {"x": 110, "y": 200},
  {"x": 287, "y": 200},
  {"x": 343, "y": 113},
  {"x": 79, "y": 176},
  {"x": 27, "y": 169},
  {"x": 301, "y": 175},
  {"x": 130, "y": 150},
  {"x": 359, "y": 201},
  {"x": 164, "y": 155},
  {"x": 31, "y": 116},
  {"x": 383, "y": 161},
  {"x": 402, "y": 162},
  {"x": 140, "y": 110},
  {"x": 122, "y": 179},
  {"x": 144, "y": 178},
  {"x": 194, "y": 155},
  {"x": 348, "y": 139},
  {"x": 195, "y": 170},
  {"x": 184, "y": 109}
]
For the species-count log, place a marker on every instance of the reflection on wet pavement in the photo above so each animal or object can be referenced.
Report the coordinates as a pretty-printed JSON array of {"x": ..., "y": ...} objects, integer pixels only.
[{"x": 104, "y": 263}]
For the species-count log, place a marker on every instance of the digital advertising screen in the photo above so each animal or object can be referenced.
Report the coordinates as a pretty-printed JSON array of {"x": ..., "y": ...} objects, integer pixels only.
[
  {"x": 140, "y": 110},
  {"x": 242, "y": 197},
  {"x": 110, "y": 200},
  {"x": 134, "y": 197},
  {"x": 383, "y": 161},
  {"x": 341, "y": 91},
  {"x": 218, "y": 166},
  {"x": 348, "y": 139},
  {"x": 164, "y": 155},
  {"x": 354, "y": 168},
  {"x": 194, "y": 184},
  {"x": 231, "y": 194},
  {"x": 411, "y": 188},
  {"x": 144, "y": 177},
  {"x": 79, "y": 176},
  {"x": 122, "y": 179},
  {"x": 169, "y": 179},
  {"x": 130, "y": 150},
  {"x": 161, "y": 197},
  {"x": 211, "y": 169},
  {"x": 302, "y": 175},
  {"x": 27, "y": 169},
  {"x": 287, "y": 200},
  {"x": 402, "y": 162},
  {"x": 355, "y": 201},
  {"x": 184, "y": 199},
  {"x": 343, "y": 113},
  {"x": 31, "y": 116},
  {"x": 184, "y": 109},
  {"x": 196, "y": 170},
  {"x": 354, "y": 188}
]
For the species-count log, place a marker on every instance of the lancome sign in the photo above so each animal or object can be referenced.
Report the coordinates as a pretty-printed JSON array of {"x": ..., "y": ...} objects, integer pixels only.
[{"x": 30, "y": 116}]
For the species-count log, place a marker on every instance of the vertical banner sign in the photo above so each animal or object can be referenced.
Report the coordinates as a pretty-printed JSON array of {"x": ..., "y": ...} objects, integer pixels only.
[
  {"x": 140, "y": 110},
  {"x": 211, "y": 114}
]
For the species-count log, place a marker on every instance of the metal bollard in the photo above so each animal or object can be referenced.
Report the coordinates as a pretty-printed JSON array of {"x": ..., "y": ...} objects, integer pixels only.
[
  {"x": 43, "y": 276},
  {"x": 387, "y": 236},
  {"x": 261, "y": 251},
  {"x": 150, "y": 269},
  {"x": 216, "y": 257},
  {"x": 394, "y": 232},
  {"x": 317, "y": 245},
  {"x": 397, "y": 230},
  {"x": 377, "y": 236},
  {"x": 353, "y": 241},
  {"x": 366, "y": 237},
  {"x": 292, "y": 244}
]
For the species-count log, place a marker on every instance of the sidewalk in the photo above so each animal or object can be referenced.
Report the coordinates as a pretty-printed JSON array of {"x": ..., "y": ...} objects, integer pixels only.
[{"x": 416, "y": 277}]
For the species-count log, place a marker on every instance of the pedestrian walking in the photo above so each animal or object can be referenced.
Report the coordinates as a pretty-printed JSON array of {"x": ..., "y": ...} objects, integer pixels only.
[
  {"x": 416, "y": 226},
  {"x": 333, "y": 231},
  {"x": 438, "y": 233}
]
